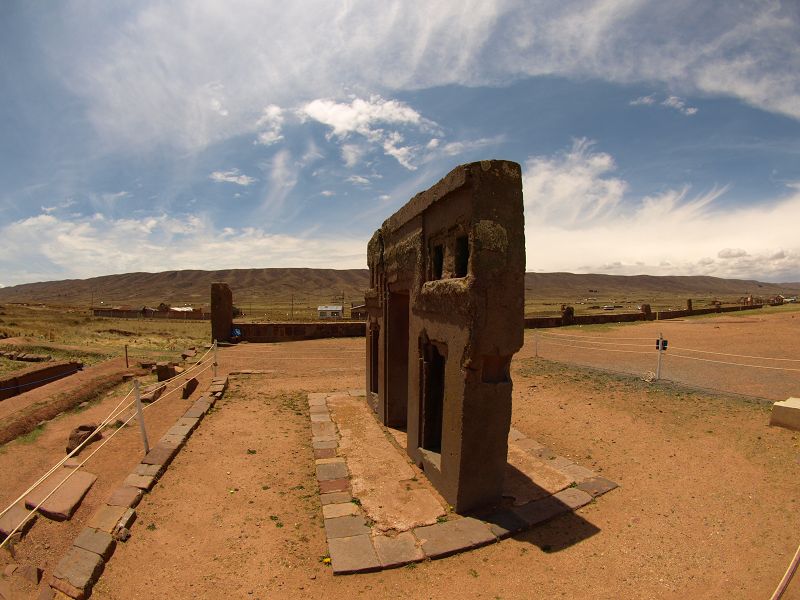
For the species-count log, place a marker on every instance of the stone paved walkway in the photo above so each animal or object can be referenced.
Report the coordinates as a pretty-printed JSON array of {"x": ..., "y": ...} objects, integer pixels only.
[{"x": 381, "y": 512}]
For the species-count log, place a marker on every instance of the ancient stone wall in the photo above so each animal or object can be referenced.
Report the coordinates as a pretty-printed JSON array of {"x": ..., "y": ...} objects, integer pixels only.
[
  {"x": 293, "y": 332},
  {"x": 24, "y": 380},
  {"x": 221, "y": 312},
  {"x": 445, "y": 317}
]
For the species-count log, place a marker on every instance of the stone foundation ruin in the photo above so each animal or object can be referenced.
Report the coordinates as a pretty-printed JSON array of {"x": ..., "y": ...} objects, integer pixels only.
[{"x": 446, "y": 307}]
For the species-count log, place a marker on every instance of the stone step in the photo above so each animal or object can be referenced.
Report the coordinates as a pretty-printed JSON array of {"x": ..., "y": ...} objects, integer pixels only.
[{"x": 63, "y": 503}]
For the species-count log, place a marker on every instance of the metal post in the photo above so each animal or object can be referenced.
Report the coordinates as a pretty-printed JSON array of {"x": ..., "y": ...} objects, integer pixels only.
[
  {"x": 140, "y": 417},
  {"x": 660, "y": 352},
  {"x": 126, "y": 356},
  {"x": 215, "y": 358},
  {"x": 536, "y": 344}
]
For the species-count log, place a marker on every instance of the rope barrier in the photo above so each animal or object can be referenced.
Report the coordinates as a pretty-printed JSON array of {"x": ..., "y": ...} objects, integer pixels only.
[
  {"x": 589, "y": 337},
  {"x": 603, "y": 349},
  {"x": 787, "y": 577},
  {"x": 722, "y": 362},
  {"x": 736, "y": 355},
  {"x": 588, "y": 341},
  {"x": 16, "y": 387}
]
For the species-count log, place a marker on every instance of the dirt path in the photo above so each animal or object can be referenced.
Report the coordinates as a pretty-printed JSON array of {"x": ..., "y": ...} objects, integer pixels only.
[{"x": 707, "y": 508}]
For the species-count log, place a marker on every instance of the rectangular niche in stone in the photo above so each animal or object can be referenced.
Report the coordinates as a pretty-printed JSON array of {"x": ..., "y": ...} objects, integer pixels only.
[{"x": 445, "y": 312}]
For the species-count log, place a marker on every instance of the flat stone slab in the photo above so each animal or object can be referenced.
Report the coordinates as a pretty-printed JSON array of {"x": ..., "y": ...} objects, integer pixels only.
[
  {"x": 160, "y": 455},
  {"x": 786, "y": 413},
  {"x": 597, "y": 486},
  {"x": 77, "y": 572},
  {"x": 151, "y": 470},
  {"x": 143, "y": 482},
  {"x": 334, "y": 485},
  {"x": 196, "y": 412},
  {"x": 450, "y": 537},
  {"x": 335, "y": 498},
  {"x": 94, "y": 540},
  {"x": 321, "y": 409},
  {"x": 63, "y": 503},
  {"x": 126, "y": 495},
  {"x": 574, "y": 498},
  {"x": 353, "y": 554},
  {"x": 323, "y": 429},
  {"x": 107, "y": 517},
  {"x": 397, "y": 551},
  {"x": 173, "y": 440},
  {"x": 181, "y": 430},
  {"x": 505, "y": 523},
  {"x": 345, "y": 527},
  {"x": 541, "y": 510},
  {"x": 577, "y": 473},
  {"x": 339, "y": 509},
  {"x": 320, "y": 417},
  {"x": 14, "y": 517},
  {"x": 529, "y": 478},
  {"x": 324, "y": 453},
  {"x": 324, "y": 444},
  {"x": 327, "y": 472}
]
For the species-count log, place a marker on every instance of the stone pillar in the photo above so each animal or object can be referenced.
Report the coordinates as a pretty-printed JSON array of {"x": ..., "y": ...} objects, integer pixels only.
[
  {"x": 689, "y": 304},
  {"x": 221, "y": 312}
]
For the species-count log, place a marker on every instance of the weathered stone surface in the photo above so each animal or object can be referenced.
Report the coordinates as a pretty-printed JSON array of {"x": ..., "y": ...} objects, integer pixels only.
[
  {"x": 150, "y": 470},
  {"x": 515, "y": 435},
  {"x": 46, "y": 593},
  {"x": 345, "y": 527},
  {"x": 786, "y": 414},
  {"x": 152, "y": 393},
  {"x": 353, "y": 554},
  {"x": 577, "y": 472},
  {"x": 320, "y": 418},
  {"x": 323, "y": 438},
  {"x": 14, "y": 517},
  {"x": 324, "y": 444},
  {"x": 334, "y": 485},
  {"x": 173, "y": 440},
  {"x": 126, "y": 495},
  {"x": 444, "y": 539},
  {"x": 528, "y": 445},
  {"x": 106, "y": 517},
  {"x": 189, "y": 387},
  {"x": 77, "y": 572},
  {"x": 357, "y": 392},
  {"x": 160, "y": 455},
  {"x": 317, "y": 398},
  {"x": 596, "y": 486},
  {"x": 10, "y": 569},
  {"x": 574, "y": 498},
  {"x": 327, "y": 472},
  {"x": 66, "y": 499},
  {"x": 504, "y": 523},
  {"x": 31, "y": 573},
  {"x": 335, "y": 498},
  {"x": 197, "y": 411},
  {"x": 94, "y": 540},
  {"x": 342, "y": 509},
  {"x": 81, "y": 434},
  {"x": 323, "y": 429},
  {"x": 397, "y": 551},
  {"x": 325, "y": 453},
  {"x": 164, "y": 371},
  {"x": 143, "y": 482},
  {"x": 540, "y": 511},
  {"x": 318, "y": 410}
]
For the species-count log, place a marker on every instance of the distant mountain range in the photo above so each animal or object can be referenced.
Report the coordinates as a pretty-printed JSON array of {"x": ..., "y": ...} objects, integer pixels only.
[{"x": 321, "y": 286}]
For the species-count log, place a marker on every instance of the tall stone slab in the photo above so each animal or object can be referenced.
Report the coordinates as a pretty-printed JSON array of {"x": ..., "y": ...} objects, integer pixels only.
[
  {"x": 446, "y": 315},
  {"x": 221, "y": 312}
]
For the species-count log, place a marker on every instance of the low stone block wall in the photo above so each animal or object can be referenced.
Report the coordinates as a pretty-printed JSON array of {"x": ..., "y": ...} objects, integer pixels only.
[
  {"x": 33, "y": 377},
  {"x": 293, "y": 332},
  {"x": 544, "y": 322}
]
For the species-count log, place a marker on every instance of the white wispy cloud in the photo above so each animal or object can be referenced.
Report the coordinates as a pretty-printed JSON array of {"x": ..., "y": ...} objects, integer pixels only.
[
  {"x": 643, "y": 100},
  {"x": 232, "y": 176},
  {"x": 269, "y": 125},
  {"x": 580, "y": 216},
  {"x": 358, "y": 180},
  {"x": 680, "y": 105},
  {"x": 145, "y": 79}
]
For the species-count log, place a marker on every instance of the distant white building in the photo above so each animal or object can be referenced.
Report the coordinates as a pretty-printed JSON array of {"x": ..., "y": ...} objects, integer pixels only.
[{"x": 333, "y": 311}]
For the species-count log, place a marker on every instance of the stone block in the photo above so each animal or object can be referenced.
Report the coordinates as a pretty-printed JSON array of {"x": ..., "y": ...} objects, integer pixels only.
[
  {"x": 16, "y": 514},
  {"x": 150, "y": 470},
  {"x": 353, "y": 554},
  {"x": 786, "y": 414},
  {"x": 319, "y": 410},
  {"x": 340, "y": 527},
  {"x": 107, "y": 517},
  {"x": 94, "y": 540},
  {"x": 341, "y": 509},
  {"x": 335, "y": 498},
  {"x": 577, "y": 472},
  {"x": 143, "y": 482},
  {"x": 529, "y": 445},
  {"x": 540, "y": 511},
  {"x": 164, "y": 371},
  {"x": 81, "y": 434},
  {"x": 31, "y": 573},
  {"x": 596, "y": 486},
  {"x": 77, "y": 572},
  {"x": 320, "y": 418},
  {"x": 189, "y": 387},
  {"x": 325, "y": 453},
  {"x": 173, "y": 440},
  {"x": 334, "y": 485},
  {"x": 324, "y": 438},
  {"x": 336, "y": 470},
  {"x": 397, "y": 551},
  {"x": 324, "y": 444},
  {"x": 160, "y": 455},
  {"x": 126, "y": 495},
  {"x": 66, "y": 499},
  {"x": 504, "y": 523},
  {"x": 515, "y": 435},
  {"x": 574, "y": 498},
  {"x": 323, "y": 429},
  {"x": 450, "y": 537}
]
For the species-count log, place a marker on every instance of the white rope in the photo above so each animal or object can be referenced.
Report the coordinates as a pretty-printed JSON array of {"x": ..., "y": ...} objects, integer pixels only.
[
  {"x": 588, "y": 341},
  {"x": 721, "y": 362},
  {"x": 602, "y": 349},
  {"x": 736, "y": 355},
  {"x": 787, "y": 577},
  {"x": 588, "y": 337}
]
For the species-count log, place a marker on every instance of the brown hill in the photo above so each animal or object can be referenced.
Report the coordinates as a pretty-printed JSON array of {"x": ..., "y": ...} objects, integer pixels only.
[{"x": 319, "y": 286}]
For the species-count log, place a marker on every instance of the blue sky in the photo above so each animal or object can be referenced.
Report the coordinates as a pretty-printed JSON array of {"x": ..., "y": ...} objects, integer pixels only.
[{"x": 658, "y": 138}]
